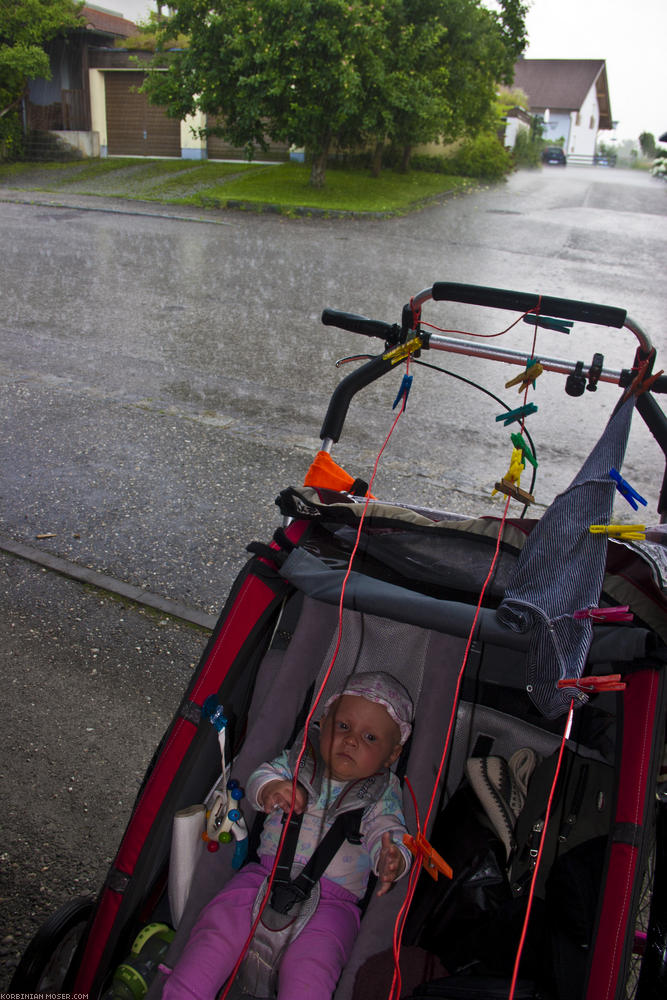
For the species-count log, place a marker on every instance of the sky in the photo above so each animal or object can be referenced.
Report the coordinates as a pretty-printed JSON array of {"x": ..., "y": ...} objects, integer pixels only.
[{"x": 631, "y": 35}]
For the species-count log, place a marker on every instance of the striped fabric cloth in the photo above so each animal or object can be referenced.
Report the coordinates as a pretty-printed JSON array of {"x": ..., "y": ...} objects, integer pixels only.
[{"x": 561, "y": 569}]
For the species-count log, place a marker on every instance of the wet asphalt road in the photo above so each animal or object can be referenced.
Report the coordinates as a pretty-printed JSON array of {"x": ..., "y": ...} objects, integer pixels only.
[{"x": 163, "y": 374}]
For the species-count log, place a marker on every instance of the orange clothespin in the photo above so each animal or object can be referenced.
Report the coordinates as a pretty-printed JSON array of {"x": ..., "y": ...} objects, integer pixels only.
[
  {"x": 594, "y": 685},
  {"x": 424, "y": 853},
  {"x": 639, "y": 383},
  {"x": 527, "y": 377}
]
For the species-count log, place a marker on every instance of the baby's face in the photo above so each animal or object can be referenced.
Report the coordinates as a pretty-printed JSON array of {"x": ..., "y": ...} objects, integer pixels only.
[{"x": 358, "y": 738}]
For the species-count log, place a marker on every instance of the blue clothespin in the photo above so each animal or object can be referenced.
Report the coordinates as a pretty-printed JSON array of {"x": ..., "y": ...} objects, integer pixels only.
[
  {"x": 404, "y": 391},
  {"x": 522, "y": 411},
  {"x": 626, "y": 490},
  {"x": 519, "y": 442}
]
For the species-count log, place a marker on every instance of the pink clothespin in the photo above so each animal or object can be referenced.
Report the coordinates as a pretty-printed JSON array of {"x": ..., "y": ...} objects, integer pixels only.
[
  {"x": 620, "y": 613},
  {"x": 594, "y": 685}
]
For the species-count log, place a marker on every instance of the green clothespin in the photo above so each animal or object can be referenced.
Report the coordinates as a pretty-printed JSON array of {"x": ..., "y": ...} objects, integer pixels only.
[{"x": 519, "y": 442}]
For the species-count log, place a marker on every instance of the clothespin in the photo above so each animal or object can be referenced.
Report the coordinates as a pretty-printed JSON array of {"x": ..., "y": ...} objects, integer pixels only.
[
  {"x": 639, "y": 383},
  {"x": 509, "y": 484},
  {"x": 548, "y": 322},
  {"x": 513, "y": 475},
  {"x": 404, "y": 391},
  {"x": 626, "y": 532},
  {"x": 427, "y": 856},
  {"x": 626, "y": 490},
  {"x": 511, "y": 415},
  {"x": 396, "y": 354},
  {"x": 620, "y": 613},
  {"x": 594, "y": 685},
  {"x": 528, "y": 377},
  {"x": 527, "y": 455}
]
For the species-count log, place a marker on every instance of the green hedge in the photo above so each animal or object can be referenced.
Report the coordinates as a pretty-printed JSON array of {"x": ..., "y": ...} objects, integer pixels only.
[
  {"x": 11, "y": 137},
  {"x": 483, "y": 158}
]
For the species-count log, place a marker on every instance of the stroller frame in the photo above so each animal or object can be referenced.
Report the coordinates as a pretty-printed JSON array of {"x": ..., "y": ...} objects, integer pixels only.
[{"x": 262, "y": 614}]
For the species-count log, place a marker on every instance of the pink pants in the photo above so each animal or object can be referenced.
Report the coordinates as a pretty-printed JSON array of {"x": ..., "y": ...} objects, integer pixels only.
[{"x": 311, "y": 964}]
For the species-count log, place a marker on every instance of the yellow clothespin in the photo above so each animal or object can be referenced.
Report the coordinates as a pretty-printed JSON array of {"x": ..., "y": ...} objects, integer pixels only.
[
  {"x": 509, "y": 484},
  {"x": 527, "y": 377},
  {"x": 626, "y": 532},
  {"x": 424, "y": 853},
  {"x": 410, "y": 347}
]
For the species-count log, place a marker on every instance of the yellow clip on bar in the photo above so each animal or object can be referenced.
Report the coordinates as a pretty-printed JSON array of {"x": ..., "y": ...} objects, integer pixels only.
[{"x": 625, "y": 532}]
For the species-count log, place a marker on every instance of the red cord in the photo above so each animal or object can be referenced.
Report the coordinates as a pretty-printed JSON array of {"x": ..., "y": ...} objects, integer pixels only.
[
  {"x": 394, "y": 992},
  {"x": 316, "y": 701},
  {"x": 487, "y": 336},
  {"x": 524, "y": 929},
  {"x": 395, "y": 989}
]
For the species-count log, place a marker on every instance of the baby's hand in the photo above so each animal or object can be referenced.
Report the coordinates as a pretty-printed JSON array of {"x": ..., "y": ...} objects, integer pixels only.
[
  {"x": 278, "y": 795},
  {"x": 391, "y": 864}
]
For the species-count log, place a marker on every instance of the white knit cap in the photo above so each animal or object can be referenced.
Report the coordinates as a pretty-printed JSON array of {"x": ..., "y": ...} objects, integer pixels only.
[{"x": 385, "y": 690}]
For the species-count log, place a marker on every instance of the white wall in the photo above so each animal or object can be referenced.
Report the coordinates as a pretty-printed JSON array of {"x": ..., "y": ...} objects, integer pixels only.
[
  {"x": 585, "y": 126},
  {"x": 98, "y": 110},
  {"x": 558, "y": 127}
]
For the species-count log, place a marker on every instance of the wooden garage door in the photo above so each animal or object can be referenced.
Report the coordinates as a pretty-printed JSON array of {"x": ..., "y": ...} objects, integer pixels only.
[
  {"x": 219, "y": 149},
  {"x": 135, "y": 127}
]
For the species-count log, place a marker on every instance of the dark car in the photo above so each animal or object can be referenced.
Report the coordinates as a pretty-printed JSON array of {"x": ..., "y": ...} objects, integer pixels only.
[{"x": 554, "y": 156}]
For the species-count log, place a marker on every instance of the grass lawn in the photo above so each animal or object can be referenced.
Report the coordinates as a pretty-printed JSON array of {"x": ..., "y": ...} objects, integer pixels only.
[
  {"x": 287, "y": 185},
  {"x": 188, "y": 182}
]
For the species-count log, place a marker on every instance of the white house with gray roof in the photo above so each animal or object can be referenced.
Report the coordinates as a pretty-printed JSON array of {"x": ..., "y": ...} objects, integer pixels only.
[{"x": 572, "y": 97}]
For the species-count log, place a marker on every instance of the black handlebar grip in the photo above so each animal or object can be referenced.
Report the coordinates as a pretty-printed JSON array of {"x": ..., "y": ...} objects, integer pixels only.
[
  {"x": 357, "y": 324},
  {"x": 503, "y": 298}
]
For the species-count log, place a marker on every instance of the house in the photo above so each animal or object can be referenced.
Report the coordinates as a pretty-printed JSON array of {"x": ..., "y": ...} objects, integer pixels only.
[
  {"x": 572, "y": 98},
  {"x": 515, "y": 119},
  {"x": 93, "y": 101},
  {"x": 62, "y": 104}
]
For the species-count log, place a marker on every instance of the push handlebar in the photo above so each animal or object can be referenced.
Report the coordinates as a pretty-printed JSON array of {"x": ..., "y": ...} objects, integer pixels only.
[
  {"x": 543, "y": 310},
  {"x": 539, "y": 306},
  {"x": 359, "y": 324},
  {"x": 502, "y": 298}
]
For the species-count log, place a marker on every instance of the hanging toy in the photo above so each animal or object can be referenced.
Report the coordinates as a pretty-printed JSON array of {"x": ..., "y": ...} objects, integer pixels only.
[{"x": 224, "y": 819}]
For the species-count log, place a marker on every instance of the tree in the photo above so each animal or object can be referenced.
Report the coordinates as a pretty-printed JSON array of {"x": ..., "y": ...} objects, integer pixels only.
[
  {"x": 647, "y": 144},
  {"x": 288, "y": 69},
  {"x": 351, "y": 72},
  {"x": 26, "y": 26},
  {"x": 466, "y": 51}
]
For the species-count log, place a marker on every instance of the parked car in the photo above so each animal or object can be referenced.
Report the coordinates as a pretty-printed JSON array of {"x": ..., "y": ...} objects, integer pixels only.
[{"x": 554, "y": 156}]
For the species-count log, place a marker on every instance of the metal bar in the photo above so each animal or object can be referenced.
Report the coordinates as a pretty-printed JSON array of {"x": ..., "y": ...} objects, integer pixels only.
[
  {"x": 452, "y": 345},
  {"x": 644, "y": 341}
]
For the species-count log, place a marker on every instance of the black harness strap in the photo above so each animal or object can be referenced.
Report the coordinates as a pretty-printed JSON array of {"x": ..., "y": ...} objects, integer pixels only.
[{"x": 287, "y": 892}]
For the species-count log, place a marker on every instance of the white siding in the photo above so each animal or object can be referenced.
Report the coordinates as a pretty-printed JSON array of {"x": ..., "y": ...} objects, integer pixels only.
[{"x": 585, "y": 126}]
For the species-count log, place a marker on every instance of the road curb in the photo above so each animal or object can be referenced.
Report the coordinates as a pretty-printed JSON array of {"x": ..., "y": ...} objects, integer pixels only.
[{"x": 83, "y": 574}]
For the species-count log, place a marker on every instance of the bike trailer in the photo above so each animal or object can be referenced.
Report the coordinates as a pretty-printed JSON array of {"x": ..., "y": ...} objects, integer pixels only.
[{"x": 534, "y": 651}]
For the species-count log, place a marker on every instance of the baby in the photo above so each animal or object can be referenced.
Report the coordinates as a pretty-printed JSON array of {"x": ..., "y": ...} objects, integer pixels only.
[{"x": 361, "y": 734}]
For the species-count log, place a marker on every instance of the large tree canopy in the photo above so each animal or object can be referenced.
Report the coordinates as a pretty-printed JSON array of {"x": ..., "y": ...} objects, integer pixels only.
[
  {"x": 349, "y": 72},
  {"x": 25, "y": 27}
]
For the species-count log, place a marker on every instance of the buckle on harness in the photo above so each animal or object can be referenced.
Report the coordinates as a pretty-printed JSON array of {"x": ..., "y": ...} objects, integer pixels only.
[{"x": 284, "y": 897}]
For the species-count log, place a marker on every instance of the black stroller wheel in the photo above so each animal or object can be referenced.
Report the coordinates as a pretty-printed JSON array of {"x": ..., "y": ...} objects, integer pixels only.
[{"x": 48, "y": 958}]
